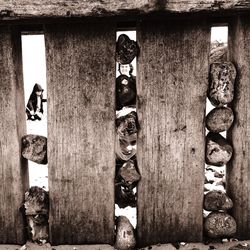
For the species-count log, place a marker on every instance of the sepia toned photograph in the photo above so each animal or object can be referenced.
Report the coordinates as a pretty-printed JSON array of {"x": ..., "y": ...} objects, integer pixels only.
[{"x": 124, "y": 125}]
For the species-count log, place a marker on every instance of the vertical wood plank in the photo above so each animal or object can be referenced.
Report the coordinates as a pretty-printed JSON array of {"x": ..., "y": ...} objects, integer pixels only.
[
  {"x": 171, "y": 87},
  {"x": 81, "y": 133},
  {"x": 13, "y": 169},
  {"x": 238, "y": 170}
]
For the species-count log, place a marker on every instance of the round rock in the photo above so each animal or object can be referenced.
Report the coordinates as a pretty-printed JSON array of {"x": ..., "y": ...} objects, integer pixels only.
[
  {"x": 218, "y": 149},
  {"x": 126, "y": 49},
  {"x": 34, "y": 148},
  {"x": 217, "y": 200},
  {"x": 128, "y": 174},
  {"x": 36, "y": 201},
  {"x": 219, "y": 224},
  {"x": 219, "y": 119},
  {"x": 221, "y": 84},
  {"x": 125, "y": 238},
  {"x": 124, "y": 197},
  {"x": 125, "y": 91}
]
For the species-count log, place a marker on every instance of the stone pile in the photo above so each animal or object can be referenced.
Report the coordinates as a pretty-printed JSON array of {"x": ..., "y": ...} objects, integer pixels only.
[
  {"x": 218, "y": 223},
  {"x": 36, "y": 209},
  {"x": 127, "y": 126},
  {"x": 36, "y": 204}
]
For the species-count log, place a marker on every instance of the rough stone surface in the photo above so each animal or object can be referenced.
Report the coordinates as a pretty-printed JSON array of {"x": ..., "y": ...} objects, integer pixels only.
[
  {"x": 218, "y": 54},
  {"x": 125, "y": 238},
  {"x": 218, "y": 149},
  {"x": 36, "y": 201},
  {"x": 221, "y": 84},
  {"x": 219, "y": 119},
  {"x": 125, "y": 91},
  {"x": 37, "y": 213},
  {"x": 124, "y": 197},
  {"x": 128, "y": 174},
  {"x": 219, "y": 224},
  {"x": 217, "y": 200},
  {"x": 34, "y": 148},
  {"x": 126, "y": 49},
  {"x": 38, "y": 228},
  {"x": 127, "y": 125}
]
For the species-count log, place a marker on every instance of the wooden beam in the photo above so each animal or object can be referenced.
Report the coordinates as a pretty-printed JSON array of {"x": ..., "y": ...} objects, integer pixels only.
[
  {"x": 238, "y": 170},
  {"x": 171, "y": 87},
  {"x": 81, "y": 132},
  {"x": 60, "y": 8},
  {"x": 13, "y": 168}
]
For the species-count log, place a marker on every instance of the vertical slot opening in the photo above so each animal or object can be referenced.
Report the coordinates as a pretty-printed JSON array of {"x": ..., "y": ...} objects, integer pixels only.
[
  {"x": 126, "y": 197},
  {"x": 35, "y": 90},
  {"x": 217, "y": 147}
]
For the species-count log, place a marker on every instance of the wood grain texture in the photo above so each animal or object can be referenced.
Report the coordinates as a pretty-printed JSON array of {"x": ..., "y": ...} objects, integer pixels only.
[
  {"x": 81, "y": 132},
  {"x": 171, "y": 87},
  {"x": 60, "y": 8},
  {"x": 13, "y": 168},
  {"x": 238, "y": 171}
]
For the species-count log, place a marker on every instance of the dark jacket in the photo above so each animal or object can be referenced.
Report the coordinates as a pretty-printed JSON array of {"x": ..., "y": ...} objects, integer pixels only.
[{"x": 32, "y": 102}]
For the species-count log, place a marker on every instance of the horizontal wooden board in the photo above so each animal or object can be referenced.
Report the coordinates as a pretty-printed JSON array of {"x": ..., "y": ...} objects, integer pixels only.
[
  {"x": 172, "y": 85},
  {"x": 13, "y": 169},
  {"x": 238, "y": 171},
  {"x": 61, "y": 8},
  {"x": 81, "y": 133}
]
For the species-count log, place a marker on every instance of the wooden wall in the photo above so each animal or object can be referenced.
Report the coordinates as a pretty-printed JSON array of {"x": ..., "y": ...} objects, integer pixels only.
[
  {"x": 37, "y": 9},
  {"x": 13, "y": 169},
  {"x": 172, "y": 84},
  {"x": 81, "y": 132},
  {"x": 238, "y": 170}
]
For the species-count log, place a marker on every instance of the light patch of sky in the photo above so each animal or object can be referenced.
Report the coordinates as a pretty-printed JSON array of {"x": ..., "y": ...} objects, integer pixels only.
[
  {"x": 219, "y": 34},
  {"x": 34, "y": 63}
]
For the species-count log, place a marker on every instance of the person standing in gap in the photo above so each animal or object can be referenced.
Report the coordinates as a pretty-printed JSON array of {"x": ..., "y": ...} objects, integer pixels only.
[{"x": 34, "y": 108}]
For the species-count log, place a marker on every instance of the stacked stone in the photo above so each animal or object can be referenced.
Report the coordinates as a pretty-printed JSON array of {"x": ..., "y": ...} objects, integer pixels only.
[
  {"x": 127, "y": 174},
  {"x": 36, "y": 205},
  {"x": 219, "y": 224},
  {"x": 36, "y": 208}
]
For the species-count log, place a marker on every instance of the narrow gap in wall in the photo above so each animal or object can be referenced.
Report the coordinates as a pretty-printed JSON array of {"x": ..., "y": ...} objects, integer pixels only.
[
  {"x": 35, "y": 90},
  {"x": 125, "y": 198},
  {"x": 214, "y": 174}
]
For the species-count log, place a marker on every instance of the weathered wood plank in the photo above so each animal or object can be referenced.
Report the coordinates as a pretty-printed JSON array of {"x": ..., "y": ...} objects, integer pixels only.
[
  {"x": 171, "y": 87},
  {"x": 238, "y": 171},
  {"x": 13, "y": 168},
  {"x": 81, "y": 133},
  {"x": 61, "y": 8}
]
